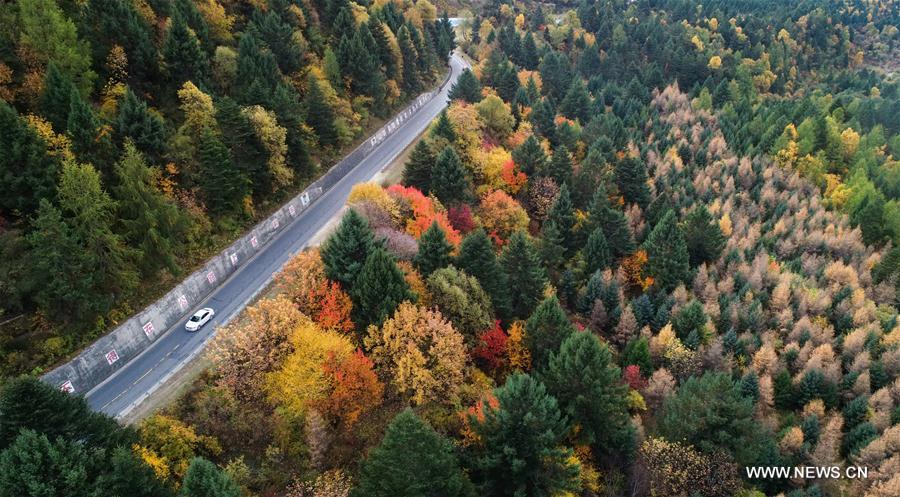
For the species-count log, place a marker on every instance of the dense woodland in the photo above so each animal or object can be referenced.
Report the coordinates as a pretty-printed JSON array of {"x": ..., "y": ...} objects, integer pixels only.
[
  {"x": 140, "y": 137},
  {"x": 648, "y": 244}
]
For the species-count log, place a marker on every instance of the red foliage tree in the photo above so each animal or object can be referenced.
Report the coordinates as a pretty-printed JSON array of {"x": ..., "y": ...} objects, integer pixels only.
[
  {"x": 632, "y": 376},
  {"x": 461, "y": 218},
  {"x": 355, "y": 389},
  {"x": 491, "y": 349}
]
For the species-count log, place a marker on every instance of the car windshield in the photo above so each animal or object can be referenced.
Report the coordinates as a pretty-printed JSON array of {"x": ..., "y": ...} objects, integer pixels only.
[{"x": 195, "y": 318}]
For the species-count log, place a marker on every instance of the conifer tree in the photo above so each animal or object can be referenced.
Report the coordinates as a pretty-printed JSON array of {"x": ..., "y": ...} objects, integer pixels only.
[
  {"x": 524, "y": 273},
  {"x": 384, "y": 50},
  {"x": 150, "y": 221},
  {"x": 434, "y": 250},
  {"x": 443, "y": 128},
  {"x": 83, "y": 129},
  {"x": 613, "y": 223},
  {"x": 145, "y": 129},
  {"x": 577, "y": 102},
  {"x": 378, "y": 290},
  {"x": 559, "y": 167},
  {"x": 33, "y": 466},
  {"x": 412, "y": 460},
  {"x": 27, "y": 172},
  {"x": 519, "y": 449},
  {"x": 869, "y": 215},
  {"x": 204, "y": 479},
  {"x": 703, "y": 235},
  {"x": 411, "y": 83},
  {"x": 319, "y": 114},
  {"x": 224, "y": 185},
  {"x": 596, "y": 252},
  {"x": 530, "y": 55},
  {"x": 55, "y": 97},
  {"x": 247, "y": 152},
  {"x": 552, "y": 245},
  {"x": 417, "y": 172},
  {"x": 347, "y": 249},
  {"x": 555, "y": 74},
  {"x": 667, "y": 254},
  {"x": 545, "y": 331},
  {"x": 530, "y": 156},
  {"x": 466, "y": 88},
  {"x": 257, "y": 73},
  {"x": 116, "y": 22},
  {"x": 585, "y": 380},
  {"x": 184, "y": 58},
  {"x": 562, "y": 213},
  {"x": 477, "y": 258},
  {"x": 448, "y": 178},
  {"x": 631, "y": 178}
]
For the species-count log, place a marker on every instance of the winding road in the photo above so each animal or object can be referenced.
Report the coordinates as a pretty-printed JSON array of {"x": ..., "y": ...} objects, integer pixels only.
[{"x": 135, "y": 381}]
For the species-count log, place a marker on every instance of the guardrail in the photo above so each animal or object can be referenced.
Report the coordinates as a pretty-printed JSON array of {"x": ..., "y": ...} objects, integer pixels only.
[{"x": 108, "y": 354}]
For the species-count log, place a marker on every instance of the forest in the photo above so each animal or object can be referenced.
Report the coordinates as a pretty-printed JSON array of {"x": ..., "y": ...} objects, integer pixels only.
[
  {"x": 139, "y": 138},
  {"x": 647, "y": 245}
]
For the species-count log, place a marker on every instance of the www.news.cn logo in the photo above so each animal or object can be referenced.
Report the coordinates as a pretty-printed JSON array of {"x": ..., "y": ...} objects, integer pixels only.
[{"x": 807, "y": 472}]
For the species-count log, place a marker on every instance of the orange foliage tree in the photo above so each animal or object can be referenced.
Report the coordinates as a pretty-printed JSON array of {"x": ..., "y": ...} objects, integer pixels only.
[{"x": 355, "y": 389}]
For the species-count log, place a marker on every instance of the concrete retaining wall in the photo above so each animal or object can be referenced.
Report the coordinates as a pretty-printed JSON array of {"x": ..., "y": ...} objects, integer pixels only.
[{"x": 104, "y": 357}]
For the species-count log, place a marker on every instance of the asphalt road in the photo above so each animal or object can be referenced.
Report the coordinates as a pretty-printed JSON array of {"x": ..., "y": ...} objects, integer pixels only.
[{"x": 131, "y": 384}]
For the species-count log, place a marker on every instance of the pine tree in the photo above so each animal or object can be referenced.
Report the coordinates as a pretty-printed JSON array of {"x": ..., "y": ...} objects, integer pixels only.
[
  {"x": 150, "y": 221},
  {"x": 417, "y": 172},
  {"x": 631, "y": 178},
  {"x": 613, "y": 223},
  {"x": 590, "y": 62},
  {"x": 552, "y": 245},
  {"x": 384, "y": 50},
  {"x": 247, "y": 152},
  {"x": 869, "y": 215},
  {"x": 27, "y": 172},
  {"x": 204, "y": 479},
  {"x": 135, "y": 121},
  {"x": 319, "y": 114},
  {"x": 667, "y": 254},
  {"x": 184, "y": 59},
  {"x": 530, "y": 55},
  {"x": 637, "y": 352},
  {"x": 703, "y": 235},
  {"x": 560, "y": 166},
  {"x": 577, "y": 102},
  {"x": 115, "y": 22},
  {"x": 55, "y": 97},
  {"x": 224, "y": 185},
  {"x": 585, "y": 380},
  {"x": 596, "y": 252},
  {"x": 83, "y": 129},
  {"x": 257, "y": 73},
  {"x": 545, "y": 331},
  {"x": 562, "y": 213},
  {"x": 359, "y": 61},
  {"x": 378, "y": 290},
  {"x": 411, "y": 83},
  {"x": 477, "y": 258},
  {"x": 434, "y": 250},
  {"x": 555, "y": 74},
  {"x": 443, "y": 128},
  {"x": 126, "y": 474},
  {"x": 530, "y": 156},
  {"x": 347, "y": 249},
  {"x": 466, "y": 88},
  {"x": 519, "y": 450},
  {"x": 412, "y": 460},
  {"x": 525, "y": 275},
  {"x": 33, "y": 466},
  {"x": 448, "y": 178},
  {"x": 542, "y": 117}
]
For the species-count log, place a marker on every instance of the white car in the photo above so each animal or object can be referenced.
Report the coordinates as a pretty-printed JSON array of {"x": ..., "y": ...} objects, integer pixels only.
[{"x": 199, "y": 318}]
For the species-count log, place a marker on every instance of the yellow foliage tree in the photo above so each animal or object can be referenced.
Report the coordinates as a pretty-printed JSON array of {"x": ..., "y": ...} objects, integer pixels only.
[
  {"x": 168, "y": 445},
  {"x": 272, "y": 136},
  {"x": 715, "y": 62},
  {"x": 374, "y": 193}
]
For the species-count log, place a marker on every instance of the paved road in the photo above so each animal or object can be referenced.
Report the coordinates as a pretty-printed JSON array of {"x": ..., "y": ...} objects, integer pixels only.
[{"x": 131, "y": 384}]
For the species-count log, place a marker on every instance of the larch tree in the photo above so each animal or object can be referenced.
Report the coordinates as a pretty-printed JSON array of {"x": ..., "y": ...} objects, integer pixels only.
[
  {"x": 519, "y": 443},
  {"x": 525, "y": 275},
  {"x": 412, "y": 460}
]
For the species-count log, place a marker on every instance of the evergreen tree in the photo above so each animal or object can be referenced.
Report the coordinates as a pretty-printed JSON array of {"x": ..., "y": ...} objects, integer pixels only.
[
  {"x": 524, "y": 273},
  {"x": 383, "y": 49},
  {"x": 184, "y": 59},
  {"x": 631, "y": 178},
  {"x": 204, "y": 479},
  {"x": 555, "y": 74},
  {"x": 434, "y": 250},
  {"x": 637, "y": 352},
  {"x": 613, "y": 223},
  {"x": 585, "y": 380},
  {"x": 224, "y": 185},
  {"x": 411, "y": 83},
  {"x": 530, "y": 55},
  {"x": 466, "y": 88},
  {"x": 443, "y": 128},
  {"x": 667, "y": 254},
  {"x": 869, "y": 215},
  {"x": 33, "y": 466},
  {"x": 417, "y": 172},
  {"x": 279, "y": 38},
  {"x": 477, "y": 258},
  {"x": 126, "y": 474},
  {"x": 590, "y": 63},
  {"x": 412, "y": 460},
  {"x": 552, "y": 248},
  {"x": 83, "y": 129},
  {"x": 519, "y": 449},
  {"x": 145, "y": 129},
  {"x": 577, "y": 102},
  {"x": 319, "y": 114},
  {"x": 560, "y": 166},
  {"x": 150, "y": 221},
  {"x": 703, "y": 235},
  {"x": 530, "y": 156},
  {"x": 542, "y": 117},
  {"x": 448, "y": 178},
  {"x": 117, "y": 22},
  {"x": 27, "y": 172},
  {"x": 56, "y": 96},
  {"x": 596, "y": 252},
  {"x": 359, "y": 61},
  {"x": 545, "y": 331},
  {"x": 247, "y": 152},
  {"x": 345, "y": 251},
  {"x": 257, "y": 73},
  {"x": 379, "y": 288},
  {"x": 562, "y": 213}
]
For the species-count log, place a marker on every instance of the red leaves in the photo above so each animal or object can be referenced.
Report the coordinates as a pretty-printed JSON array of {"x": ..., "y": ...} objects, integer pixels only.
[
  {"x": 632, "y": 376},
  {"x": 491, "y": 349},
  {"x": 355, "y": 388}
]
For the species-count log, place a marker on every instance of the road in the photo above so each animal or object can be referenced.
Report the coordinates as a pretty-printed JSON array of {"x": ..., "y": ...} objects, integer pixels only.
[{"x": 132, "y": 383}]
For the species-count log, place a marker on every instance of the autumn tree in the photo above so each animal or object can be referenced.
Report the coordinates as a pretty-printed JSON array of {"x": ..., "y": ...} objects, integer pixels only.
[
  {"x": 519, "y": 443},
  {"x": 585, "y": 380},
  {"x": 411, "y": 460},
  {"x": 355, "y": 389},
  {"x": 461, "y": 300}
]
